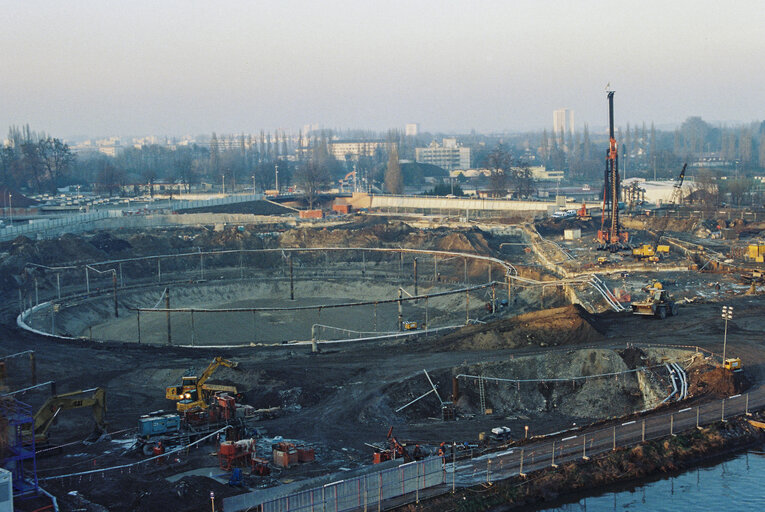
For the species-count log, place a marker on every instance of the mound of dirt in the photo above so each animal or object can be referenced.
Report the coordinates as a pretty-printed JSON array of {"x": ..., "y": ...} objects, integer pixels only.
[
  {"x": 551, "y": 226},
  {"x": 104, "y": 241},
  {"x": 718, "y": 382},
  {"x": 567, "y": 325},
  {"x": 149, "y": 492}
]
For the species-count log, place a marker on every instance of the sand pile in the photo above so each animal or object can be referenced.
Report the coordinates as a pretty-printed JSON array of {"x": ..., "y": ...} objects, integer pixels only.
[
  {"x": 718, "y": 382},
  {"x": 558, "y": 326}
]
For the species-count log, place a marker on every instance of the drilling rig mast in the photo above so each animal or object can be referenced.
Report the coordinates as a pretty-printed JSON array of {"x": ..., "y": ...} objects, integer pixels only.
[{"x": 610, "y": 235}]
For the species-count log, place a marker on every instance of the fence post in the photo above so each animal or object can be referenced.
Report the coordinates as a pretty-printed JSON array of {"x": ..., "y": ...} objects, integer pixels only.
[
  {"x": 746, "y": 407},
  {"x": 614, "y": 437},
  {"x": 697, "y": 417},
  {"x": 193, "y": 334},
  {"x": 454, "y": 466},
  {"x": 417, "y": 484},
  {"x": 584, "y": 448},
  {"x": 138, "y": 317},
  {"x": 553, "y": 464},
  {"x": 722, "y": 413},
  {"x": 643, "y": 434},
  {"x": 672, "y": 424}
]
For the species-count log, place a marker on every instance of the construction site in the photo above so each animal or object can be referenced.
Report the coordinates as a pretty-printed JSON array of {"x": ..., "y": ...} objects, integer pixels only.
[{"x": 261, "y": 362}]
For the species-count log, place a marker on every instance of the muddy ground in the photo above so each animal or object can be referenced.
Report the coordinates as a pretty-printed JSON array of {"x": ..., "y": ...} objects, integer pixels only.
[{"x": 345, "y": 396}]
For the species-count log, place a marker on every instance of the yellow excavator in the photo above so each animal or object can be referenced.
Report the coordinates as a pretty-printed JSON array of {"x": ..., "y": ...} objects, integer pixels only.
[
  {"x": 193, "y": 391},
  {"x": 47, "y": 414}
]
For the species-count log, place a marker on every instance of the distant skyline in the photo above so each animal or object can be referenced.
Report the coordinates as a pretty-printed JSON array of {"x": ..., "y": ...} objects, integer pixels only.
[{"x": 98, "y": 68}]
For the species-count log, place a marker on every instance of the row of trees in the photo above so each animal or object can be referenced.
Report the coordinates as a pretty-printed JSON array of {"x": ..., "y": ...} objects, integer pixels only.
[{"x": 35, "y": 161}]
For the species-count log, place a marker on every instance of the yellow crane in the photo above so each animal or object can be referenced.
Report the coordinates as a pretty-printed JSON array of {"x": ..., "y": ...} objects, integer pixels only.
[
  {"x": 46, "y": 415},
  {"x": 193, "y": 391}
]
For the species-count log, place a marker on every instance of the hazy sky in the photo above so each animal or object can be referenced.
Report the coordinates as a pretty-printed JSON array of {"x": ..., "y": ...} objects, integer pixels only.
[{"x": 187, "y": 67}]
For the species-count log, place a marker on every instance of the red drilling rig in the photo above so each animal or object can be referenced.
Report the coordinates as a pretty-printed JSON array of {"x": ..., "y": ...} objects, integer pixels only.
[{"x": 610, "y": 235}]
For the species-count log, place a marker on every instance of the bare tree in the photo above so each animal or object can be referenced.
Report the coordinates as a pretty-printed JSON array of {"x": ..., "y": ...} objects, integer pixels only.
[
  {"x": 311, "y": 177},
  {"x": 500, "y": 164}
]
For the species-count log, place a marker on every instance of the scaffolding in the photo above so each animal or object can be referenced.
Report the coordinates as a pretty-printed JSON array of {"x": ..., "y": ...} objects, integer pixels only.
[{"x": 19, "y": 455}]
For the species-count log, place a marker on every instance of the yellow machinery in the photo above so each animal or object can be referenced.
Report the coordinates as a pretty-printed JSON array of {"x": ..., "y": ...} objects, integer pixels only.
[
  {"x": 658, "y": 303},
  {"x": 193, "y": 390},
  {"x": 410, "y": 326},
  {"x": 46, "y": 415},
  {"x": 755, "y": 253},
  {"x": 652, "y": 252},
  {"x": 733, "y": 364},
  {"x": 644, "y": 251}
]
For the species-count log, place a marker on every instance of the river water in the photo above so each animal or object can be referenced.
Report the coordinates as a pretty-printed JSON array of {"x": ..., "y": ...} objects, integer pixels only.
[{"x": 732, "y": 484}]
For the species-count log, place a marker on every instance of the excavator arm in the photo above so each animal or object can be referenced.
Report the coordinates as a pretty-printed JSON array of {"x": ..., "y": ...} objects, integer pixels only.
[
  {"x": 192, "y": 391},
  {"x": 46, "y": 415},
  {"x": 218, "y": 361}
]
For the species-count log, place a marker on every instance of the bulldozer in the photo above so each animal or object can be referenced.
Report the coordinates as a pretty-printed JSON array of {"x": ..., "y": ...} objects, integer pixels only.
[
  {"x": 47, "y": 414},
  {"x": 658, "y": 303},
  {"x": 193, "y": 392}
]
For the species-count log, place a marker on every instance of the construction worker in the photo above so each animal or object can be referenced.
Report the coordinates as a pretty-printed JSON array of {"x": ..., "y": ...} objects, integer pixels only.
[
  {"x": 418, "y": 452},
  {"x": 442, "y": 449}
]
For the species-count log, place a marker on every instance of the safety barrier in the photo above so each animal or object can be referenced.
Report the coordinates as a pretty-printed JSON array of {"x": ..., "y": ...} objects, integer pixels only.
[{"x": 364, "y": 491}]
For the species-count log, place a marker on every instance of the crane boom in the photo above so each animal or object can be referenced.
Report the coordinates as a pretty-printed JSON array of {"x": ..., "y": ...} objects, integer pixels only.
[{"x": 677, "y": 195}]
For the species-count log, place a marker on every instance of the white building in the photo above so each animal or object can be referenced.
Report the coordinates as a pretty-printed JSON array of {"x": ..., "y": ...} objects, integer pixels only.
[
  {"x": 355, "y": 148},
  {"x": 449, "y": 155},
  {"x": 563, "y": 121},
  {"x": 412, "y": 129}
]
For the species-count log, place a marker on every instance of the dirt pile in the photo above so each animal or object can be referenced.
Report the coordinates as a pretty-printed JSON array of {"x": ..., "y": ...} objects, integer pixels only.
[
  {"x": 551, "y": 226},
  {"x": 382, "y": 233},
  {"x": 654, "y": 223},
  {"x": 146, "y": 493},
  {"x": 566, "y": 325},
  {"x": 718, "y": 382}
]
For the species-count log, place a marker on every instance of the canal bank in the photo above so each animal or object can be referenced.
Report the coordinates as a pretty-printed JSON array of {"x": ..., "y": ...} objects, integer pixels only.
[{"x": 545, "y": 488}]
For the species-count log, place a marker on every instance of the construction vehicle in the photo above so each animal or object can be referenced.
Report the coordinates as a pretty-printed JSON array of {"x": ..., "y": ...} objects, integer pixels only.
[
  {"x": 611, "y": 236},
  {"x": 654, "y": 250},
  {"x": 755, "y": 253},
  {"x": 47, "y": 414},
  {"x": 193, "y": 393},
  {"x": 658, "y": 303},
  {"x": 396, "y": 450},
  {"x": 733, "y": 364},
  {"x": 583, "y": 214},
  {"x": 410, "y": 326},
  {"x": 175, "y": 429}
]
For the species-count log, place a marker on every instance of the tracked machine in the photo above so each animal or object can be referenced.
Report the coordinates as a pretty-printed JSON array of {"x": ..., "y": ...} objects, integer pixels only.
[{"x": 611, "y": 237}]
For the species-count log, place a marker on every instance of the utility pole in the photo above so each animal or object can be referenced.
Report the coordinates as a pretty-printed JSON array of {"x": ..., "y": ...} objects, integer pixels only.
[
  {"x": 727, "y": 314},
  {"x": 167, "y": 314}
]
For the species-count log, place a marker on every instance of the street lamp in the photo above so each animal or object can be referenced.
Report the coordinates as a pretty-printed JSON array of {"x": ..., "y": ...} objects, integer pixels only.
[
  {"x": 277, "y": 178},
  {"x": 223, "y": 176},
  {"x": 727, "y": 314},
  {"x": 10, "y": 206},
  {"x": 253, "y": 183}
]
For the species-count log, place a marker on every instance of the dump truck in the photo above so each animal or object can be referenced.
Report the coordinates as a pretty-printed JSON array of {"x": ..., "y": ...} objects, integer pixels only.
[{"x": 658, "y": 303}]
